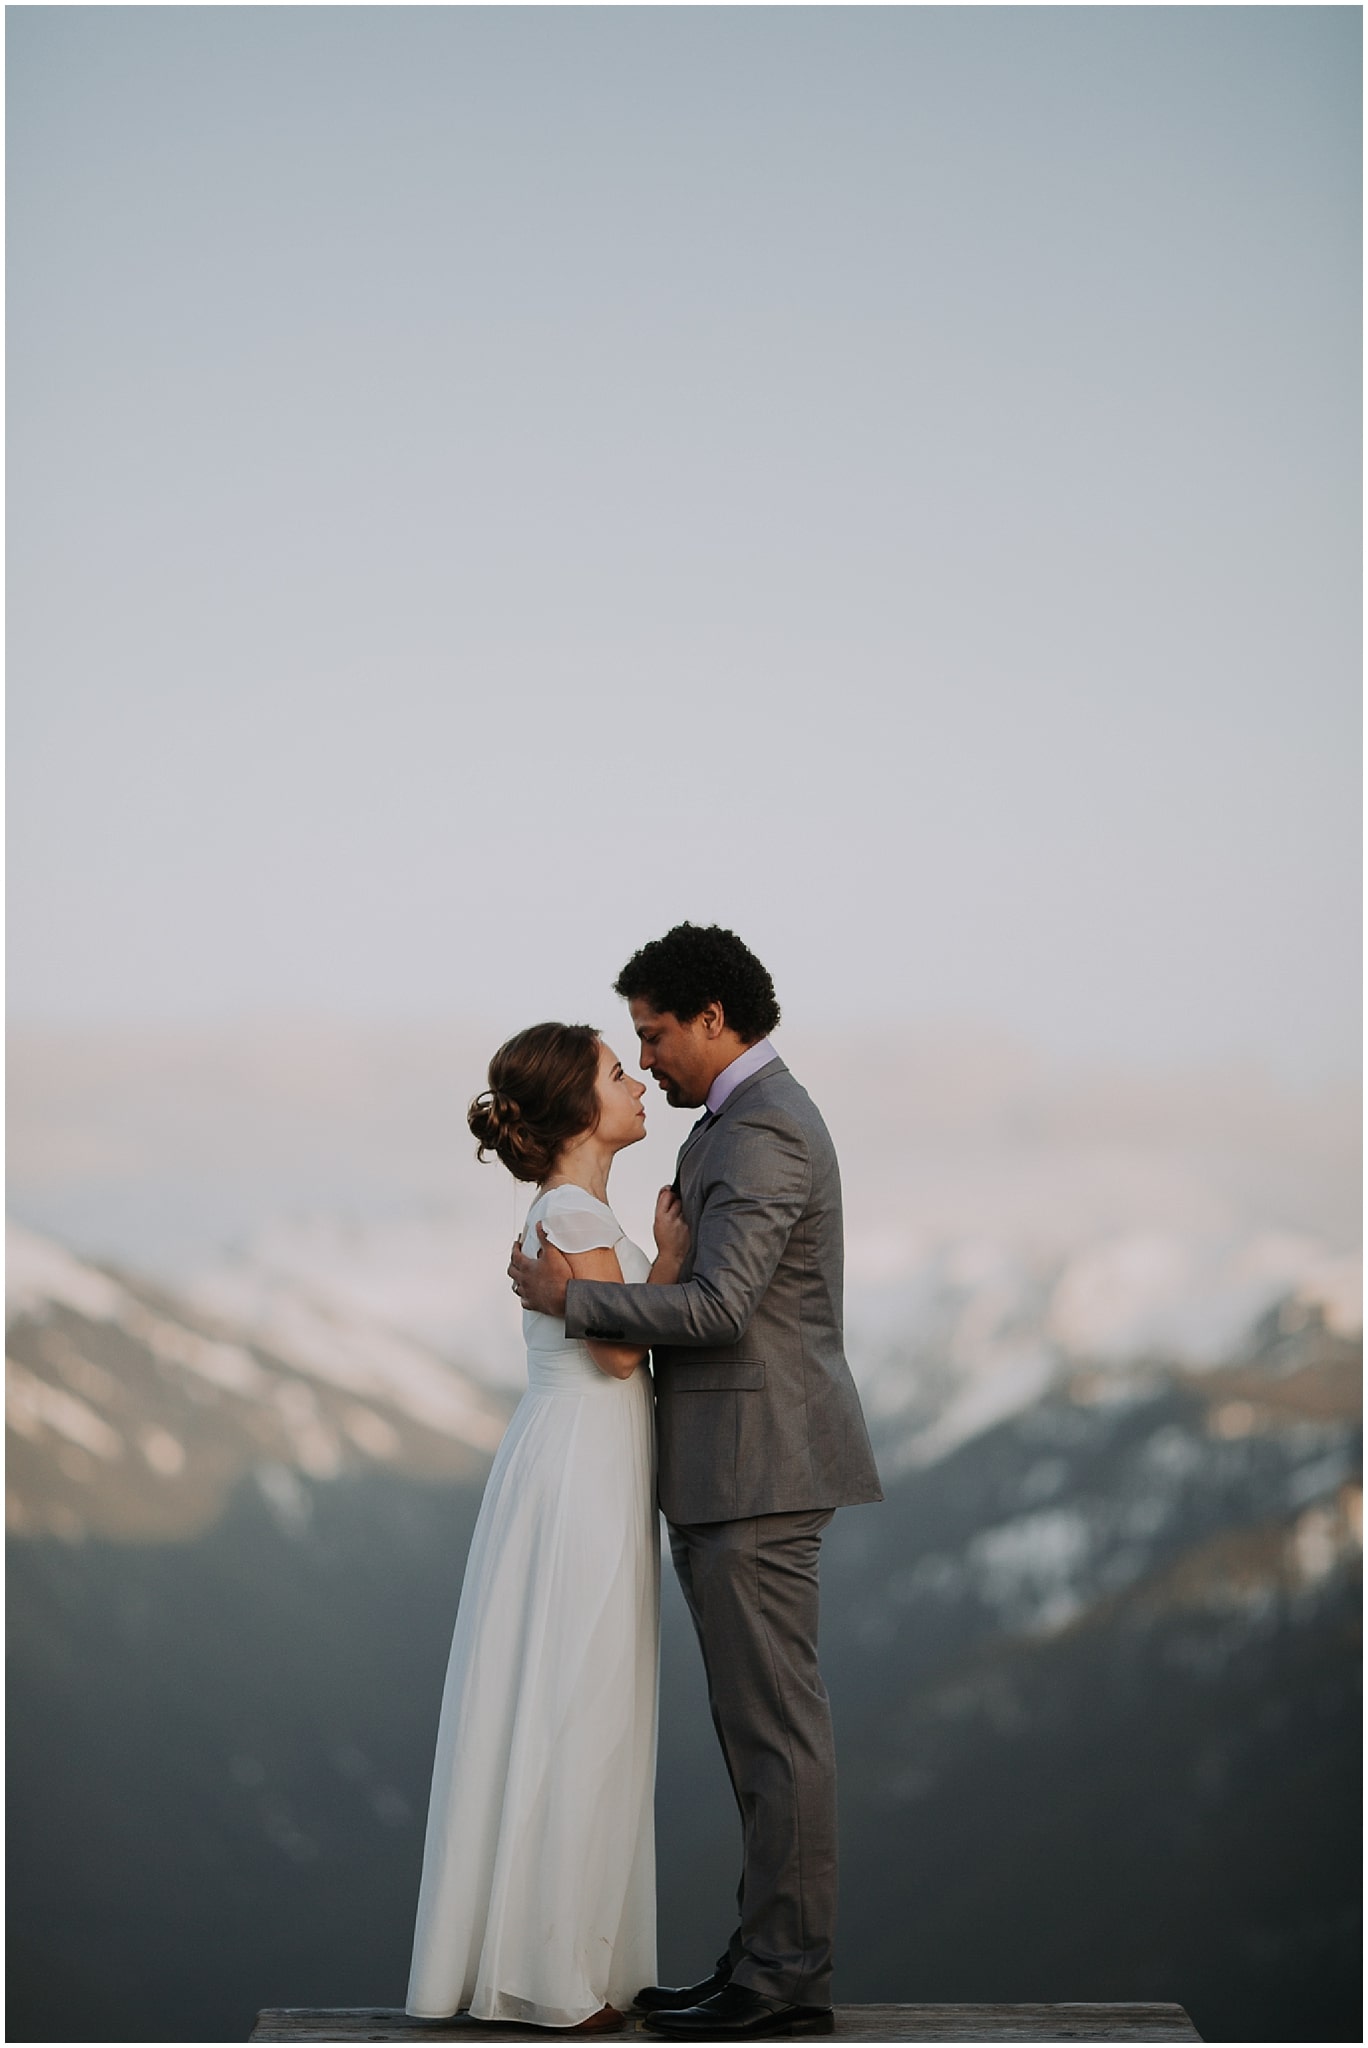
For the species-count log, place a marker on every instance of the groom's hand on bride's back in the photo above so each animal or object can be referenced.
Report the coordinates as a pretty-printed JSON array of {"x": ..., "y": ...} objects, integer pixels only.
[{"x": 540, "y": 1283}]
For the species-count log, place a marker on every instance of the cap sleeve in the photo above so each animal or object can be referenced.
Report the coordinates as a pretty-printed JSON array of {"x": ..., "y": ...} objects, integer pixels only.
[{"x": 573, "y": 1227}]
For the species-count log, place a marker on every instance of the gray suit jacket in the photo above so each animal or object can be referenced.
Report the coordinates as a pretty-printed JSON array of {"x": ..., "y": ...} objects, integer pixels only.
[{"x": 756, "y": 1411}]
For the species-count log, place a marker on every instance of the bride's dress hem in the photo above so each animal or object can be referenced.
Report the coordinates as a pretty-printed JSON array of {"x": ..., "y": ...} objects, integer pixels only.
[{"x": 519, "y": 2019}]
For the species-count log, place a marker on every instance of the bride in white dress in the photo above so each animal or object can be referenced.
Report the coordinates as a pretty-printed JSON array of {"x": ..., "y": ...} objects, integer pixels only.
[{"x": 537, "y": 1901}]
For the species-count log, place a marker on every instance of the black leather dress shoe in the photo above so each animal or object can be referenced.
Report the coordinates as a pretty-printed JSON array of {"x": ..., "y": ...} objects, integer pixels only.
[
  {"x": 737, "y": 2013},
  {"x": 658, "y": 1998}
]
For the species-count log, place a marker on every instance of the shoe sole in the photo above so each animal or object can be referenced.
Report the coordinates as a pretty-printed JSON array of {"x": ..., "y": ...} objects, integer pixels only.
[{"x": 824, "y": 2023}]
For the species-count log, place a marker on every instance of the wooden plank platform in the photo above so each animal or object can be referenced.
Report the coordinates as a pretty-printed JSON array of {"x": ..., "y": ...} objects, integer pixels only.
[{"x": 853, "y": 2023}]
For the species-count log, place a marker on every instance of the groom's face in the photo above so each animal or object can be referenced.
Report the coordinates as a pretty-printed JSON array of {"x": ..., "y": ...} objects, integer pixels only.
[{"x": 679, "y": 1057}]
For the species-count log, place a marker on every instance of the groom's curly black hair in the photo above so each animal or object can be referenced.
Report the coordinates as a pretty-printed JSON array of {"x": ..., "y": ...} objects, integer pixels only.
[{"x": 698, "y": 964}]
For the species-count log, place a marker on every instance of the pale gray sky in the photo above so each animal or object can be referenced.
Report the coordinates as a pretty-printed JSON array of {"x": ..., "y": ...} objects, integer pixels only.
[{"x": 488, "y": 483}]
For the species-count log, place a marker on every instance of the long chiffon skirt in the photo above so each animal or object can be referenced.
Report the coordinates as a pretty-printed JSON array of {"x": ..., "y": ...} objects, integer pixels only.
[{"x": 537, "y": 1900}]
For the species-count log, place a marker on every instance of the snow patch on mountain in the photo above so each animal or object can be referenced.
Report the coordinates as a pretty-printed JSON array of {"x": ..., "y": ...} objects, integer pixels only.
[
  {"x": 976, "y": 1331},
  {"x": 427, "y": 1275},
  {"x": 39, "y": 1271},
  {"x": 1187, "y": 1297},
  {"x": 332, "y": 1340},
  {"x": 31, "y": 1404},
  {"x": 1013, "y": 1378},
  {"x": 133, "y": 1411}
]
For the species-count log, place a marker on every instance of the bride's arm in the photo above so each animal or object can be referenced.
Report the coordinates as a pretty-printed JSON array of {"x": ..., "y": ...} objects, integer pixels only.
[{"x": 620, "y": 1361}]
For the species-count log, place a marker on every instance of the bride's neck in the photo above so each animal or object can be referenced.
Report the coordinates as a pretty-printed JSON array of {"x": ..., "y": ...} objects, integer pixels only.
[{"x": 582, "y": 1166}]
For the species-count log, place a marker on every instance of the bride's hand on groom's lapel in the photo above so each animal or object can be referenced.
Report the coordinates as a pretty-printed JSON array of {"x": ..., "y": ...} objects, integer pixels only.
[
  {"x": 671, "y": 1231},
  {"x": 540, "y": 1283}
]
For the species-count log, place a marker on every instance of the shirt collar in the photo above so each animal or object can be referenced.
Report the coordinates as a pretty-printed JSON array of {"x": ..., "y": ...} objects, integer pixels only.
[{"x": 742, "y": 1067}]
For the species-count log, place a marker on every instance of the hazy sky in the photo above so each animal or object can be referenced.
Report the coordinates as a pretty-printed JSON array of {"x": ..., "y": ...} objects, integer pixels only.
[{"x": 488, "y": 483}]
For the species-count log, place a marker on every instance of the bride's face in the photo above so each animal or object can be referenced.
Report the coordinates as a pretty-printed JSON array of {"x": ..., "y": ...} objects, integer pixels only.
[{"x": 622, "y": 1118}]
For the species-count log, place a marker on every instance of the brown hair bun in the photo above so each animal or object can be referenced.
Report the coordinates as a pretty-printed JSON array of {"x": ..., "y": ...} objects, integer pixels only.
[{"x": 542, "y": 1092}]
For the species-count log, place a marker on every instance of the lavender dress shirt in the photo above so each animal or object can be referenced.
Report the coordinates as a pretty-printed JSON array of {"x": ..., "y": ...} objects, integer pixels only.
[{"x": 742, "y": 1067}]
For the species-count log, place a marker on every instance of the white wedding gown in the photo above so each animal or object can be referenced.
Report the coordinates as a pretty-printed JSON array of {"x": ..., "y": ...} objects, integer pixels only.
[{"x": 537, "y": 1900}]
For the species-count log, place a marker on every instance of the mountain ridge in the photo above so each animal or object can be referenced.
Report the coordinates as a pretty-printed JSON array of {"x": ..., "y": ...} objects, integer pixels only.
[{"x": 132, "y": 1412}]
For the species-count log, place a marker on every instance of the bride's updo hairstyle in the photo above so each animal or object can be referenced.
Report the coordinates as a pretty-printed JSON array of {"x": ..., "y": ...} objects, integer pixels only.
[{"x": 542, "y": 1093}]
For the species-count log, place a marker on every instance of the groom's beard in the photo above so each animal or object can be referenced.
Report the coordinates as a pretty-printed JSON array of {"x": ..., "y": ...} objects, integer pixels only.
[{"x": 677, "y": 1098}]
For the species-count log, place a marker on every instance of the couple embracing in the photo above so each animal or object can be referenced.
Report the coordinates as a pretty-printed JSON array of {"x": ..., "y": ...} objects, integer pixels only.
[{"x": 537, "y": 1901}]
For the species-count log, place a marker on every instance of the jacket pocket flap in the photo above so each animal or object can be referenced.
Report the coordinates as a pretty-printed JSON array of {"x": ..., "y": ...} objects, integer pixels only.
[{"x": 714, "y": 1375}]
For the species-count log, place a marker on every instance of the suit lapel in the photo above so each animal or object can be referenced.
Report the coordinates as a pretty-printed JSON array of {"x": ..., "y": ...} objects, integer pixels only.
[{"x": 687, "y": 1147}]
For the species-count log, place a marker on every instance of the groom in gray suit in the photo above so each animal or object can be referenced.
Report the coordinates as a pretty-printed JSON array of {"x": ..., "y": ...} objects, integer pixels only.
[{"x": 761, "y": 1438}]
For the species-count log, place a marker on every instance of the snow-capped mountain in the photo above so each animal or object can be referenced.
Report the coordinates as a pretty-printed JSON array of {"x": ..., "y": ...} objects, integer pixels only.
[
  {"x": 1113, "y": 1619},
  {"x": 1099, "y": 1487},
  {"x": 1100, "y": 1671},
  {"x": 435, "y": 1274},
  {"x": 945, "y": 1337},
  {"x": 132, "y": 1412},
  {"x": 323, "y": 1340},
  {"x": 1093, "y": 1660},
  {"x": 980, "y": 1330},
  {"x": 1005, "y": 1214}
]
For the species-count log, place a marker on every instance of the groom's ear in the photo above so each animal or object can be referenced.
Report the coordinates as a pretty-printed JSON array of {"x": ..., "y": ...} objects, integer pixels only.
[{"x": 713, "y": 1019}]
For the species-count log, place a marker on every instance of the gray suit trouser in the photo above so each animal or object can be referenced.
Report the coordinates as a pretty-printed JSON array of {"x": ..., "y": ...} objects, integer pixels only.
[{"x": 751, "y": 1587}]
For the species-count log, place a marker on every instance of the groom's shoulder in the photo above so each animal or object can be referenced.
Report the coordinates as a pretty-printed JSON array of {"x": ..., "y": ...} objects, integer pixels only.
[{"x": 777, "y": 1096}]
